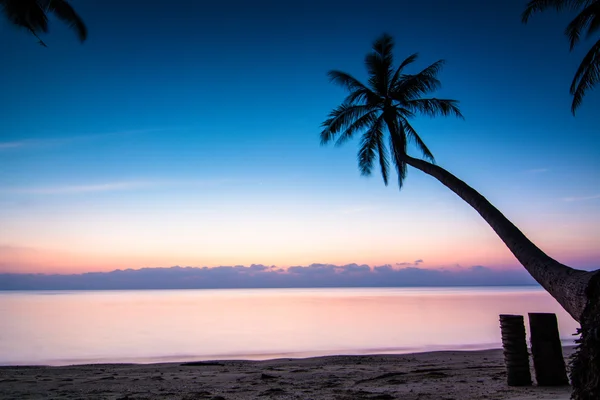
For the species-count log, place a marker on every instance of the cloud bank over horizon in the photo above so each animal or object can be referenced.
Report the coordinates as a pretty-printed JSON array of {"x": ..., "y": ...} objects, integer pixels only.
[{"x": 262, "y": 276}]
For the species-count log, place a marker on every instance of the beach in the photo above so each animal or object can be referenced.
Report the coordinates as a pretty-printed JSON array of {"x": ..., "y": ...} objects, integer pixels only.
[{"x": 458, "y": 375}]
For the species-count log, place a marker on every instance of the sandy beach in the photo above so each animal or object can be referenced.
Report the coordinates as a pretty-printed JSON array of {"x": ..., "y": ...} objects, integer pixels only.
[{"x": 458, "y": 375}]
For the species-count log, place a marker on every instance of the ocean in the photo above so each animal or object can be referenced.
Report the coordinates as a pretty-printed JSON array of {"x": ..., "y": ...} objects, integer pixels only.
[{"x": 142, "y": 326}]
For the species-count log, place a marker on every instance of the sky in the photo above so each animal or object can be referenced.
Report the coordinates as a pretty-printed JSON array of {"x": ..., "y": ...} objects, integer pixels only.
[{"x": 182, "y": 133}]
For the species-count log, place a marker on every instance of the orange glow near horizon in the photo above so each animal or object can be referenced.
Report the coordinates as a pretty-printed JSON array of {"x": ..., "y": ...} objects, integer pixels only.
[
  {"x": 28, "y": 260},
  {"x": 439, "y": 229}
]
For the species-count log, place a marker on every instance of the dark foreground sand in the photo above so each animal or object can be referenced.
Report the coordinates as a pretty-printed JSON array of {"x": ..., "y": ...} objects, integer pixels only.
[{"x": 448, "y": 375}]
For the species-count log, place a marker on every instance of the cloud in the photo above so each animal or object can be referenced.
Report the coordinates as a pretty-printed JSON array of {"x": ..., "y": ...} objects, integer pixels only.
[
  {"x": 262, "y": 276},
  {"x": 109, "y": 186},
  {"x": 406, "y": 264},
  {"x": 582, "y": 198},
  {"x": 72, "y": 189},
  {"x": 537, "y": 170},
  {"x": 29, "y": 143},
  {"x": 11, "y": 145},
  {"x": 57, "y": 141}
]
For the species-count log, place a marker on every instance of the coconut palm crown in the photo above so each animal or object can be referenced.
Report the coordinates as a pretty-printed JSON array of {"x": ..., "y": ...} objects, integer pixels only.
[
  {"x": 385, "y": 105},
  {"x": 583, "y": 26},
  {"x": 33, "y": 16}
]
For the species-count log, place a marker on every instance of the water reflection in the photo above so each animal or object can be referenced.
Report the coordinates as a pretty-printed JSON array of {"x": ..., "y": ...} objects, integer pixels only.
[{"x": 168, "y": 325}]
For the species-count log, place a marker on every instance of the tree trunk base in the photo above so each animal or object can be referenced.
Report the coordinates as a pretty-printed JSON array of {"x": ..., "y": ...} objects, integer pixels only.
[{"x": 585, "y": 363}]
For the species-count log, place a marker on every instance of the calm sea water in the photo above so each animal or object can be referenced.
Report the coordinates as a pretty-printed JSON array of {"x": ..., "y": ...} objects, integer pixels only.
[{"x": 67, "y": 327}]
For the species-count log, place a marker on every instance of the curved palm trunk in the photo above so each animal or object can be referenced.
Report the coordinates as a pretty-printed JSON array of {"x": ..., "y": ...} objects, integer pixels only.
[
  {"x": 567, "y": 285},
  {"x": 577, "y": 291}
]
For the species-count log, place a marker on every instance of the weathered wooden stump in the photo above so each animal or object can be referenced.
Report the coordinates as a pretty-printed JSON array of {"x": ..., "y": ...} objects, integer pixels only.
[
  {"x": 546, "y": 349},
  {"x": 516, "y": 356}
]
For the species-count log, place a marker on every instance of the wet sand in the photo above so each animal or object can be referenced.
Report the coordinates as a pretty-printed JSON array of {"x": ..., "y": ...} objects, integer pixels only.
[{"x": 457, "y": 375}]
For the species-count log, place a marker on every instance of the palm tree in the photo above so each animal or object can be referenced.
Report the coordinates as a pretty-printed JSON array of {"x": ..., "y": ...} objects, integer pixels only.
[
  {"x": 382, "y": 109},
  {"x": 586, "y": 23},
  {"x": 33, "y": 16}
]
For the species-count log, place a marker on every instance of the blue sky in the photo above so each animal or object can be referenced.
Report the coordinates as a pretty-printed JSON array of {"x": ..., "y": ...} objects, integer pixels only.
[{"x": 187, "y": 134}]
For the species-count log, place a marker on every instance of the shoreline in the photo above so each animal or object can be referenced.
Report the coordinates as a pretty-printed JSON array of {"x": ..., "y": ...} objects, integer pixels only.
[
  {"x": 567, "y": 344},
  {"x": 471, "y": 374},
  {"x": 181, "y": 358}
]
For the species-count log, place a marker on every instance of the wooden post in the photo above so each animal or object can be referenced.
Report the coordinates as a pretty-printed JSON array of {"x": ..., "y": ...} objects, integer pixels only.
[
  {"x": 516, "y": 356},
  {"x": 546, "y": 350}
]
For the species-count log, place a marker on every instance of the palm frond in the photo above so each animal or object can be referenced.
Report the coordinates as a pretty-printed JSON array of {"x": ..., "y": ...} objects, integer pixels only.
[
  {"x": 589, "y": 15},
  {"x": 535, "y": 6},
  {"x": 384, "y": 163},
  {"x": 33, "y": 15},
  {"x": 369, "y": 145},
  {"x": 67, "y": 14},
  {"x": 594, "y": 23},
  {"x": 366, "y": 97},
  {"x": 413, "y": 86},
  {"x": 587, "y": 76},
  {"x": 412, "y": 134},
  {"x": 398, "y": 150},
  {"x": 27, "y": 14},
  {"x": 379, "y": 64},
  {"x": 434, "y": 107},
  {"x": 408, "y": 60},
  {"x": 345, "y": 80},
  {"x": 404, "y": 112},
  {"x": 383, "y": 46},
  {"x": 340, "y": 119},
  {"x": 358, "y": 91},
  {"x": 361, "y": 123}
]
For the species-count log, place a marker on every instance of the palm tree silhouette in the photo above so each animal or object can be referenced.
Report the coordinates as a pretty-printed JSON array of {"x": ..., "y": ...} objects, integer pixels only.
[
  {"x": 586, "y": 24},
  {"x": 383, "y": 108},
  {"x": 33, "y": 16}
]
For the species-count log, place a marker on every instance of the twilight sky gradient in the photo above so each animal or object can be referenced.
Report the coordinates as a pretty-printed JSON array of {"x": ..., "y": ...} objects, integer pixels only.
[{"x": 186, "y": 134}]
